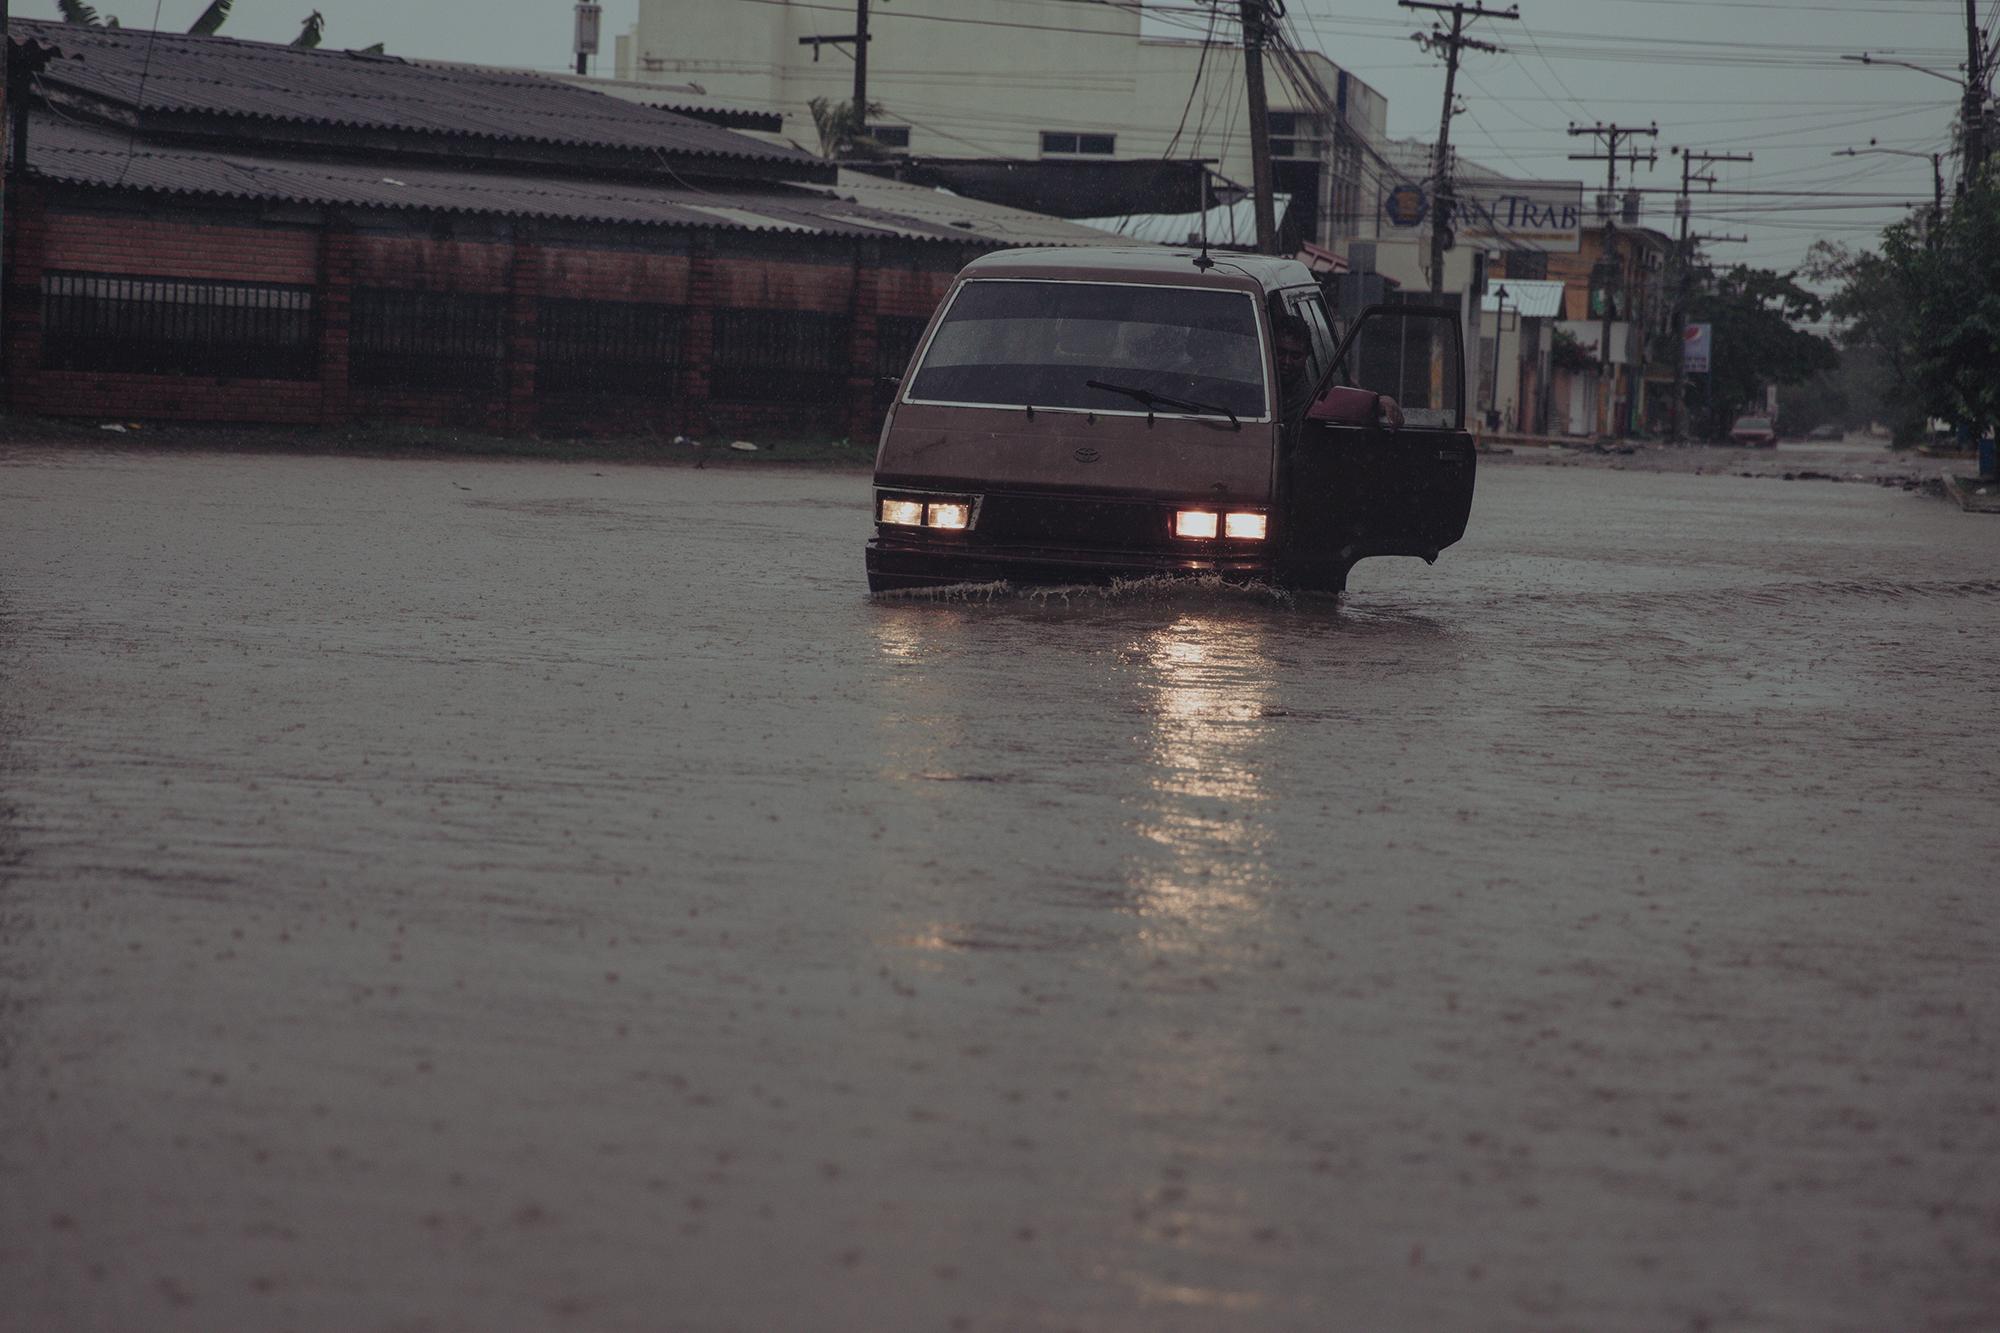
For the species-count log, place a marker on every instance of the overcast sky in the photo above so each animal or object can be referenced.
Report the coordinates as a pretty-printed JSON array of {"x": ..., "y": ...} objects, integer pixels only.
[{"x": 1737, "y": 76}]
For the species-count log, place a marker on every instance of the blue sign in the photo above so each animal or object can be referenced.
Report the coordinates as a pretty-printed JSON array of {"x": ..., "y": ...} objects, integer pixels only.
[{"x": 1405, "y": 206}]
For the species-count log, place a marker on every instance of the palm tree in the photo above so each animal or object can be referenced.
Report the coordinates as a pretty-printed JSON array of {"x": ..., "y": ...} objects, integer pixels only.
[
  {"x": 76, "y": 11},
  {"x": 843, "y": 130},
  {"x": 212, "y": 18}
]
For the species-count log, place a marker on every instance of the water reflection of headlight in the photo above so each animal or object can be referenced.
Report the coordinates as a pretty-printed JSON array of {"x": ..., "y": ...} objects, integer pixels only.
[{"x": 1211, "y": 683}]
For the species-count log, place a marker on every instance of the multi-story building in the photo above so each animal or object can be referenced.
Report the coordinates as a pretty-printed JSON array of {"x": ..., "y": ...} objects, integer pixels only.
[
  {"x": 1032, "y": 79},
  {"x": 1617, "y": 279}
]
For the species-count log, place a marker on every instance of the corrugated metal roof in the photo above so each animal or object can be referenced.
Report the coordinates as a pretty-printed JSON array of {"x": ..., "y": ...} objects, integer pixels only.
[
  {"x": 174, "y": 73},
  {"x": 1227, "y": 224},
  {"x": 941, "y": 211},
  {"x": 681, "y": 99},
  {"x": 88, "y": 155}
]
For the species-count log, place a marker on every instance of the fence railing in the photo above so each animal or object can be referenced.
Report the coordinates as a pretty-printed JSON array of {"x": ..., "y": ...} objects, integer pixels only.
[
  {"x": 425, "y": 340},
  {"x": 447, "y": 341},
  {"x": 178, "y": 326},
  {"x": 616, "y": 347},
  {"x": 779, "y": 356}
]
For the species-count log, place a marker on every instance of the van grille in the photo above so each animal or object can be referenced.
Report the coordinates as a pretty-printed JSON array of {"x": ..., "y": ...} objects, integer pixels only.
[{"x": 1046, "y": 520}]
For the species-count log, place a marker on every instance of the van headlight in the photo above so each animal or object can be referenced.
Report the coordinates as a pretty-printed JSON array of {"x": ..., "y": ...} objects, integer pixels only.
[
  {"x": 1243, "y": 525},
  {"x": 955, "y": 515},
  {"x": 903, "y": 513},
  {"x": 1194, "y": 524},
  {"x": 944, "y": 513}
]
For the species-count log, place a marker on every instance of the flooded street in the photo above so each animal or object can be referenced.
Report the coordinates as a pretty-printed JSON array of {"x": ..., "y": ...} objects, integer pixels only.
[{"x": 517, "y": 896}]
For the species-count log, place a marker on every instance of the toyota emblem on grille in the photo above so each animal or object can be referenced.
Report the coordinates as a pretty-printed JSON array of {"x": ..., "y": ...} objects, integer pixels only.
[{"x": 1086, "y": 455}]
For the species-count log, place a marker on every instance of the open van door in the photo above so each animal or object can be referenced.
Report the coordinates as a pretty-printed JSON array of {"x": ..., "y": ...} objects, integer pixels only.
[{"x": 1382, "y": 463}]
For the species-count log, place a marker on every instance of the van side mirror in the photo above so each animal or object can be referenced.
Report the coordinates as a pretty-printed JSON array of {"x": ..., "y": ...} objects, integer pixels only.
[{"x": 1344, "y": 405}]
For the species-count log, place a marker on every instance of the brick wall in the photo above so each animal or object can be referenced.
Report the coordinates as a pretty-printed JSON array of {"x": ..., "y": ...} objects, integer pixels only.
[{"x": 332, "y": 257}]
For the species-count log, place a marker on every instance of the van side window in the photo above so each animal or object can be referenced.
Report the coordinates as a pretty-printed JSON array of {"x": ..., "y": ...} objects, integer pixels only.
[{"x": 1312, "y": 309}]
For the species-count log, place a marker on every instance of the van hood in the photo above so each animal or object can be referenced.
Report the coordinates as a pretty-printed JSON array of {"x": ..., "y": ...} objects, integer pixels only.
[{"x": 986, "y": 448}]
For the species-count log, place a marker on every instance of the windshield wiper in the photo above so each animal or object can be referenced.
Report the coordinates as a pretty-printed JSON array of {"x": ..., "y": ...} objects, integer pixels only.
[{"x": 1147, "y": 399}]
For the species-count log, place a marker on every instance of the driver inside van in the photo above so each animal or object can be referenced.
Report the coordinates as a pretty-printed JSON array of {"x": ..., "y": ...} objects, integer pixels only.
[{"x": 1295, "y": 378}]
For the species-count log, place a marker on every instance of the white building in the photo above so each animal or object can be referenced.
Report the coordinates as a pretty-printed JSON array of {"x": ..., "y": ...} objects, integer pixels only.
[{"x": 1029, "y": 79}]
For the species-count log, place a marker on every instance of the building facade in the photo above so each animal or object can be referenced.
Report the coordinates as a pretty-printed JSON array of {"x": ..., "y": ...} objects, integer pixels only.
[
  {"x": 1030, "y": 79},
  {"x": 1616, "y": 279}
]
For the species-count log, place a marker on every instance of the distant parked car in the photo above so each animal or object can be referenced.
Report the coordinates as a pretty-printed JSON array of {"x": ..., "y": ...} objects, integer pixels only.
[
  {"x": 1828, "y": 431},
  {"x": 1757, "y": 432}
]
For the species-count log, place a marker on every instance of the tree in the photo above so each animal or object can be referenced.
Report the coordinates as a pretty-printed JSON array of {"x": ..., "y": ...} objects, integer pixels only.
[
  {"x": 1874, "y": 325},
  {"x": 1567, "y": 352},
  {"x": 1855, "y": 393},
  {"x": 76, "y": 11},
  {"x": 1754, "y": 313},
  {"x": 212, "y": 18},
  {"x": 1929, "y": 305},
  {"x": 1952, "y": 285},
  {"x": 843, "y": 130}
]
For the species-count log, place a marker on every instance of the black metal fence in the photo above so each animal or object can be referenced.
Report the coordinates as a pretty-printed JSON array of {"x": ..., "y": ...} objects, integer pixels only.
[
  {"x": 779, "y": 356},
  {"x": 426, "y": 340},
  {"x": 607, "y": 347},
  {"x": 178, "y": 326},
  {"x": 449, "y": 341}
]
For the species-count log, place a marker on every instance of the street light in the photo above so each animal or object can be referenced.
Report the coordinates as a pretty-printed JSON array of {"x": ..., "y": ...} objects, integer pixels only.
[
  {"x": 1867, "y": 59},
  {"x": 1937, "y": 172},
  {"x": 1973, "y": 88},
  {"x": 1499, "y": 327}
]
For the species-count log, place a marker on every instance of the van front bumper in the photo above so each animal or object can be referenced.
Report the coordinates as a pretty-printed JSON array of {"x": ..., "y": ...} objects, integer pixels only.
[{"x": 895, "y": 564}]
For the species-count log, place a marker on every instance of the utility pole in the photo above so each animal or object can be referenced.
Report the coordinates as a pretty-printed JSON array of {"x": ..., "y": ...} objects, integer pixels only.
[
  {"x": 861, "y": 63},
  {"x": 1610, "y": 135},
  {"x": 1975, "y": 96},
  {"x": 859, "y": 37},
  {"x": 1684, "y": 256},
  {"x": 1451, "y": 43},
  {"x": 1253, "y": 13},
  {"x": 8, "y": 161}
]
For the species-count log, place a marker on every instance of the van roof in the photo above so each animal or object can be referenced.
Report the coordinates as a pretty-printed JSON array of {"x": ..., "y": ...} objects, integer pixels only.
[{"x": 1150, "y": 263}]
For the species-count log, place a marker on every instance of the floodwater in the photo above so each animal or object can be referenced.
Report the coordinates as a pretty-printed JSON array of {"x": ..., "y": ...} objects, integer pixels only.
[{"x": 509, "y": 896}]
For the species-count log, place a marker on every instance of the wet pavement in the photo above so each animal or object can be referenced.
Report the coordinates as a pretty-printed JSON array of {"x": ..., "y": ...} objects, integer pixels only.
[{"x": 496, "y": 896}]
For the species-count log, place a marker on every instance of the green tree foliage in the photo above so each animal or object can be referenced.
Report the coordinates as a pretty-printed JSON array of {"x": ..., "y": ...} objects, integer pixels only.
[
  {"x": 1854, "y": 395},
  {"x": 83, "y": 14},
  {"x": 211, "y": 18},
  {"x": 1567, "y": 352},
  {"x": 1928, "y": 306},
  {"x": 1951, "y": 284},
  {"x": 1755, "y": 314},
  {"x": 843, "y": 129},
  {"x": 1875, "y": 326}
]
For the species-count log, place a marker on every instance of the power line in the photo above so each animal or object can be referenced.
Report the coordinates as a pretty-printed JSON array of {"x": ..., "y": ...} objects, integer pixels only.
[{"x": 1453, "y": 44}]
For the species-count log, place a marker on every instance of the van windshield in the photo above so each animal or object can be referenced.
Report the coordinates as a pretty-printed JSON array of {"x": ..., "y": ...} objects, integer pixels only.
[{"x": 1040, "y": 344}]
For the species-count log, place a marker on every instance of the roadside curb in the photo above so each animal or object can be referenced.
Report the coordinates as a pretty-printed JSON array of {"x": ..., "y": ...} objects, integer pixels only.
[{"x": 1973, "y": 495}]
